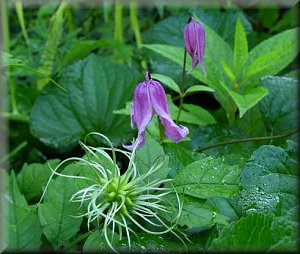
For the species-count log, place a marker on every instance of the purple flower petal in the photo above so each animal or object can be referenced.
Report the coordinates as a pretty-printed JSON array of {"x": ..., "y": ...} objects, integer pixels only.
[
  {"x": 150, "y": 98},
  {"x": 194, "y": 42},
  {"x": 160, "y": 105},
  {"x": 141, "y": 113}
]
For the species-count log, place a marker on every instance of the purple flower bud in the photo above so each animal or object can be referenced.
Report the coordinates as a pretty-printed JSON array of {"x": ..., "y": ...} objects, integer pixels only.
[
  {"x": 150, "y": 99},
  {"x": 194, "y": 42}
]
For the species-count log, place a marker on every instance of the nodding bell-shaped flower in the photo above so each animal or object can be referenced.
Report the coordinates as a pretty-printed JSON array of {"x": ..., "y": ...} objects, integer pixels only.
[
  {"x": 194, "y": 42},
  {"x": 150, "y": 99}
]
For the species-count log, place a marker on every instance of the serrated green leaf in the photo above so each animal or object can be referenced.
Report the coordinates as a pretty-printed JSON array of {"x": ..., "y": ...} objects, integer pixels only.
[
  {"x": 56, "y": 212},
  {"x": 23, "y": 228},
  {"x": 279, "y": 107},
  {"x": 240, "y": 52},
  {"x": 248, "y": 99},
  {"x": 270, "y": 56},
  {"x": 258, "y": 232},
  {"x": 33, "y": 178},
  {"x": 208, "y": 177},
  {"x": 249, "y": 233},
  {"x": 96, "y": 87},
  {"x": 269, "y": 181},
  {"x": 198, "y": 88},
  {"x": 166, "y": 81}
]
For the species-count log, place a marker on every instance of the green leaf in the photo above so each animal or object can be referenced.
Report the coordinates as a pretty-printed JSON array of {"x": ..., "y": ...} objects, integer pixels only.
[
  {"x": 208, "y": 177},
  {"x": 252, "y": 123},
  {"x": 33, "y": 178},
  {"x": 227, "y": 70},
  {"x": 197, "y": 214},
  {"x": 271, "y": 56},
  {"x": 279, "y": 107},
  {"x": 151, "y": 243},
  {"x": 124, "y": 111},
  {"x": 198, "y": 88},
  {"x": 225, "y": 206},
  {"x": 179, "y": 157},
  {"x": 190, "y": 114},
  {"x": 148, "y": 154},
  {"x": 240, "y": 52},
  {"x": 259, "y": 232},
  {"x": 96, "y": 241},
  {"x": 23, "y": 227},
  {"x": 249, "y": 233},
  {"x": 195, "y": 114},
  {"x": 56, "y": 212},
  {"x": 166, "y": 81},
  {"x": 81, "y": 49},
  {"x": 269, "y": 181},
  {"x": 248, "y": 99},
  {"x": 96, "y": 87},
  {"x": 285, "y": 230}
]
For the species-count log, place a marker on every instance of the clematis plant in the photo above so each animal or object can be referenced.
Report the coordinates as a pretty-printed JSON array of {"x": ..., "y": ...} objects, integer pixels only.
[
  {"x": 194, "y": 42},
  {"x": 118, "y": 204},
  {"x": 149, "y": 100}
]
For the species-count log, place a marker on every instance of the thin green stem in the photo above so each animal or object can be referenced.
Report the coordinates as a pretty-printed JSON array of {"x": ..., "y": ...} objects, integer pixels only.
[
  {"x": 182, "y": 86},
  {"x": 118, "y": 34},
  {"x": 20, "y": 14},
  {"x": 14, "y": 152},
  {"x": 15, "y": 117},
  {"x": 6, "y": 48},
  {"x": 134, "y": 20},
  {"x": 118, "y": 22},
  {"x": 135, "y": 23},
  {"x": 161, "y": 130},
  {"x": 248, "y": 140}
]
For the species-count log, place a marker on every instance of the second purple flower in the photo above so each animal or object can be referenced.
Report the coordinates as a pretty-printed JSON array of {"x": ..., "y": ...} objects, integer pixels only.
[
  {"x": 150, "y": 99},
  {"x": 194, "y": 42}
]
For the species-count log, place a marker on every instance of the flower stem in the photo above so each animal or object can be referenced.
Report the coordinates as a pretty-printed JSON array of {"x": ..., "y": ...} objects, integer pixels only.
[
  {"x": 161, "y": 130},
  {"x": 248, "y": 140},
  {"x": 14, "y": 152},
  {"x": 134, "y": 21},
  {"x": 118, "y": 34},
  {"x": 182, "y": 86}
]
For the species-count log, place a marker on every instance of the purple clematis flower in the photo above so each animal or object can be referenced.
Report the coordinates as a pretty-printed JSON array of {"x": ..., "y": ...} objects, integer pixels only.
[
  {"x": 150, "y": 99},
  {"x": 194, "y": 42}
]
